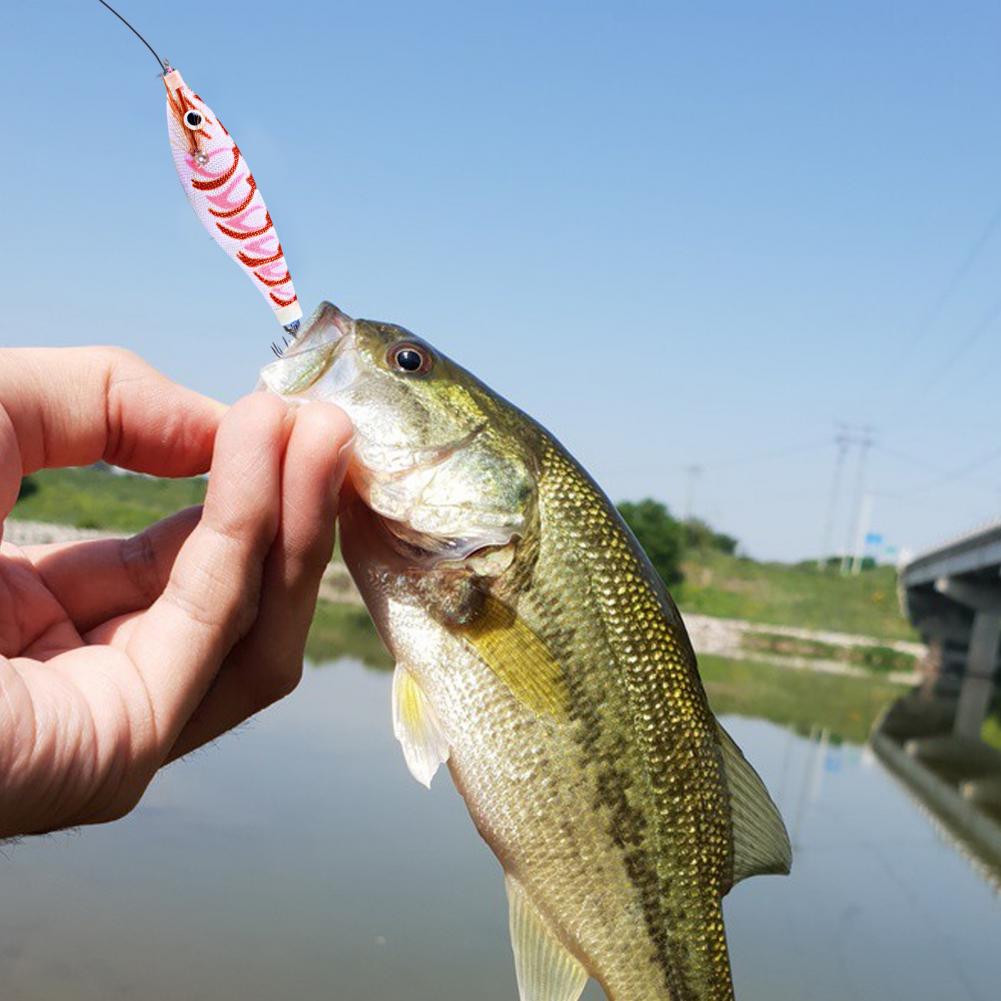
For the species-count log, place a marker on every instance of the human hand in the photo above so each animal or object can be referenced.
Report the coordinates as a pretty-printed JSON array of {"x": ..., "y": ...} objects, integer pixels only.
[{"x": 117, "y": 656}]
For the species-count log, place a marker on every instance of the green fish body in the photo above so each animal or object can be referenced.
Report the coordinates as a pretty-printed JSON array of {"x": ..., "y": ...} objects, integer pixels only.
[{"x": 540, "y": 656}]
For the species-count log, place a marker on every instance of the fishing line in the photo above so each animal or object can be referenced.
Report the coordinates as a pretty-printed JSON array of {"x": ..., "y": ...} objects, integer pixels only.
[{"x": 163, "y": 64}]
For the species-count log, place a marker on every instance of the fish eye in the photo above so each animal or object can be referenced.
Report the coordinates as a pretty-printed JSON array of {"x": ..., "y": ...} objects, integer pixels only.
[
  {"x": 193, "y": 119},
  {"x": 410, "y": 358}
]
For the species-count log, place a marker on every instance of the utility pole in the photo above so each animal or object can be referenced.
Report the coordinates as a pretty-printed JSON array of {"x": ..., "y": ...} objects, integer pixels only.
[
  {"x": 694, "y": 472},
  {"x": 864, "y": 442},
  {"x": 865, "y": 515},
  {"x": 842, "y": 439}
]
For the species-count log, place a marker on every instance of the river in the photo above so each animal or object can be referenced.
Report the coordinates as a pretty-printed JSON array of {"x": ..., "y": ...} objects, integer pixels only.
[{"x": 298, "y": 859}]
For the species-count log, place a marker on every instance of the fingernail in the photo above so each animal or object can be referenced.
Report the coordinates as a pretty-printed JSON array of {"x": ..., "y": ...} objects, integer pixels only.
[{"x": 341, "y": 467}]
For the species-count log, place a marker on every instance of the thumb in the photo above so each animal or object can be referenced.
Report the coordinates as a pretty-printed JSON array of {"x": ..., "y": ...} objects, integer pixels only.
[{"x": 212, "y": 595}]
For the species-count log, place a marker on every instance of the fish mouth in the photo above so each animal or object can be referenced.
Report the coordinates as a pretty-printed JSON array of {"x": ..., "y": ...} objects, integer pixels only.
[
  {"x": 326, "y": 326},
  {"x": 322, "y": 348},
  {"x": 310, "y": 354}
]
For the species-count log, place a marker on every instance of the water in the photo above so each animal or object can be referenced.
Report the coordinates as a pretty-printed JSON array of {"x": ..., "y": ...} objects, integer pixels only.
[{"x": 298, "y": 859}]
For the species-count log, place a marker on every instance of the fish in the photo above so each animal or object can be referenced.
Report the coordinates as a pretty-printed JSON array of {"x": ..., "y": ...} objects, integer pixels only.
[{"x": 540, "y": 658}]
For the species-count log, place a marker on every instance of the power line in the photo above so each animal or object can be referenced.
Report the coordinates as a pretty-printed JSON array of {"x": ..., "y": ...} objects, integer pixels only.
[
  {"x": 985, "y": 323},
  {"x": 933, "y": 314},
  {"x": 965, "y": 266},
  {"x": 932, "y": 467},
  {"x": 766, "y": 455},
  {"x": 945, "y": 477}
]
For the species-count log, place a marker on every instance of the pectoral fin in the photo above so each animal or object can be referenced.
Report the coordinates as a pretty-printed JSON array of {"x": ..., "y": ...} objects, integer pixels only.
[
  {"x": 546, "y": 970},
  {"x": 512, "y": 650},
  {"x": 760, "y": 842},
  {"x": 417, "y": 728}
]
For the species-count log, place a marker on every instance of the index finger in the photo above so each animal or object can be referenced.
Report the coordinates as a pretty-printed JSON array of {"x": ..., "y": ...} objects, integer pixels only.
[{"x": 74, "y": 406}]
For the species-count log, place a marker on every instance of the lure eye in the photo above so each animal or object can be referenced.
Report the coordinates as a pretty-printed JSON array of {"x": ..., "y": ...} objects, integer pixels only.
[
  {"x": 412, "y": 359},
  {"x": 193, "y": 119}
]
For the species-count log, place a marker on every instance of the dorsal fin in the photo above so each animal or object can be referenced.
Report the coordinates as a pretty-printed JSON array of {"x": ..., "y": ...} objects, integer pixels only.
[{"x": 760, "y": 842}]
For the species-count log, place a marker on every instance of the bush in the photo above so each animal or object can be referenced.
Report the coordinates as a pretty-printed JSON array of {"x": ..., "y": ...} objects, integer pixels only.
[
  {"x": 28, "y": 487},
  {"x": 701, "y": 535},
  {"x": 661, "y": 536}
]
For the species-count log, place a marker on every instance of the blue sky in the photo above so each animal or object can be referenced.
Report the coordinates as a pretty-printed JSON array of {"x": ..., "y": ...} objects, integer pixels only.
[{"x": 676, "y": 233}]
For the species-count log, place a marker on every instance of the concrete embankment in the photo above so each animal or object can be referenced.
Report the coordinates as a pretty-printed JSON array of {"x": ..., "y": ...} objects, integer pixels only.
[{"x": 735, "y": 638}]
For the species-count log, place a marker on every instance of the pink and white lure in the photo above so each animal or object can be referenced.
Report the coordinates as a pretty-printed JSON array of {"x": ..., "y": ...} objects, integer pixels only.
[
  {"x": 224, "y": 195},
  {"x": 222, "y": 190}
]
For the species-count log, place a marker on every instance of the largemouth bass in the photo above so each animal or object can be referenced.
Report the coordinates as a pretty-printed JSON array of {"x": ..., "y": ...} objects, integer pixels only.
[{"x": 539, "y": 654}]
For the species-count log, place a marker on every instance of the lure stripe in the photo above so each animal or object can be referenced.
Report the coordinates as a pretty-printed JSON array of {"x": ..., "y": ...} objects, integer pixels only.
[
  {"x": 278, "y": 281},
  {"x": 239, "y": 234},
  {"x": 217, "y": 200},
  {"x": 228, "y": 202},
  {"x": 256, "y": 262},
  {"x": 222, "y": 178}
]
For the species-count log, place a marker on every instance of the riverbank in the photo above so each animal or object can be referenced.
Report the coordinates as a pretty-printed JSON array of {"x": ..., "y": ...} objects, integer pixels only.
[
  {"x": 823, "y": 651},
  {"x": 717, "y": 583}
]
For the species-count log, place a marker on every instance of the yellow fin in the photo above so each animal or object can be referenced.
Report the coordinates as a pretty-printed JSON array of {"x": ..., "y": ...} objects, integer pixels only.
[
  {"x": 519, "y": 658},
  {"x": 546, "y": 971},
  {"x": 417, "y": 728},
  {"x": 760, "y": 842}
]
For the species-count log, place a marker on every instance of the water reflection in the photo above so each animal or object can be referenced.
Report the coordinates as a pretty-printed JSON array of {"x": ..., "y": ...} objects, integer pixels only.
[{"x": 298, "y": 858}]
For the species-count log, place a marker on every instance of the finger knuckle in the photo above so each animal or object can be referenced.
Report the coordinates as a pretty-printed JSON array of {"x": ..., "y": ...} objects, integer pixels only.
[
  {"x": 220, "y": 595},
  {"x": 142, "y": 568},
  {"x": 115, "y": 358}
]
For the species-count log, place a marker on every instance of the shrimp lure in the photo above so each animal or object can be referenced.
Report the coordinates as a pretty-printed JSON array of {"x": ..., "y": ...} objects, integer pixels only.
[{"x": 222, "y": 191}]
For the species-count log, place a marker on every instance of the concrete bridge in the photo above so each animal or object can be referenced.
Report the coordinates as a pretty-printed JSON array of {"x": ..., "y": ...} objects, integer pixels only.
[
  {"x": 952, "y": 595},
  {"x": 930, "y": 737}
]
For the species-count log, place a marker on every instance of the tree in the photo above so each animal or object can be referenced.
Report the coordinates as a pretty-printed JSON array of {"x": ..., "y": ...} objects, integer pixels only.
[
  {"x": 661, "y": 536},
  {"x": 701, "y": 535},
  {"x": 28, "y": 487}
]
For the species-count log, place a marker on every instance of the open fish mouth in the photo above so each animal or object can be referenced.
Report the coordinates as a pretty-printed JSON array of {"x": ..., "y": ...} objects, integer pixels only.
[
  {"x": 325, "y": 327},
  {"x": 310, "y": 354}
]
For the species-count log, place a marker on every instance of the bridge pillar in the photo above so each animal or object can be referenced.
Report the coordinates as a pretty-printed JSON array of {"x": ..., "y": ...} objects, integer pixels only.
[
  {"x": 981, "y": 660},
  {"x": 978, "y": 681}
]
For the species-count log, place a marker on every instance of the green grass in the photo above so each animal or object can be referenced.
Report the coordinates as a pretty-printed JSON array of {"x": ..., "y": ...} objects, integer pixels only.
[
  {"x": 846, "y": 706},
  {"x": 782, "y": 594},
  {"x": 990, "y": 733},
  {"x": 715, "y": 583},
  {"x": 89, "y": 498},
  {"x": 878, "y": 659}
]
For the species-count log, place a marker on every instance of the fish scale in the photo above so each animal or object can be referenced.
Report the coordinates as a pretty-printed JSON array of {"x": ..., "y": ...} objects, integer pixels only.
[{"x": 539, "y": 654}]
